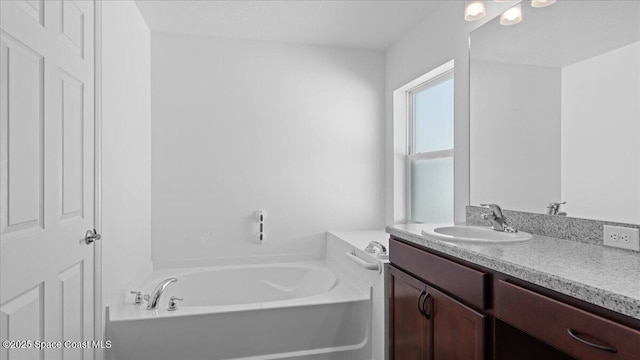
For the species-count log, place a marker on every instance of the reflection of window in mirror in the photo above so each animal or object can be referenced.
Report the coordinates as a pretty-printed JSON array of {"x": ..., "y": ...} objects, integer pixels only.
[{"x": 430, "y": 149}]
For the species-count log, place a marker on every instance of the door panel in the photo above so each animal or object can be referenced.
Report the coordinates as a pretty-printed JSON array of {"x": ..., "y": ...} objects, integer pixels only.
[
  {"x": 71, "y": 166},
  {"x": 458, "y": 331},
  {"x": 21, "y": 165},
  {"x": 33, "y": 8},
  {"x": 71, "y": 294},
  {"x": 46, "y": 174},
  {"x": 23, "y": 318},
  {"x": 72, "y": 26},
  {"x": 408, "y": 328}
]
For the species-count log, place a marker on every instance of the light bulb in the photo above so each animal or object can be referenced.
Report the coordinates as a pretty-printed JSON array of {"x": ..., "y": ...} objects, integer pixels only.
[
  {"x": 511, "y": 16},
  {"x": 474, "y": 10},
  {"x": 541, "y": 3}
]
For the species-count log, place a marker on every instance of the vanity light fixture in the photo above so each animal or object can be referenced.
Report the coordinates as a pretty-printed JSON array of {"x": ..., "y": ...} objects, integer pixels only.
[
  {"x": 511, "y": 16},
  {"x": 541, "y": 3},
  {"x": 474, "y": 10}
]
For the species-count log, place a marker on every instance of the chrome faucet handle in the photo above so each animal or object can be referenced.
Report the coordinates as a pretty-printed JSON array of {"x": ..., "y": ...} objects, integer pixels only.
[
  {"x": 138, "y": 298},
  {"x": 173, "y": 305},
  {"x": 495, "y": 209},
  {"x": 554, "y": 207}
]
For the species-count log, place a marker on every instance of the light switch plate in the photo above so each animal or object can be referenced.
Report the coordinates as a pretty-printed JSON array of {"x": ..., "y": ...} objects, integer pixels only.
[{"x": 621, "y": 237}]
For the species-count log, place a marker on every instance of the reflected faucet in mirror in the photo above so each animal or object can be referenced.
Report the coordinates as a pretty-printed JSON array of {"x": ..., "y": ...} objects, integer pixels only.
[
  {"x": 497, "y": 218},
  {"x": 554, "y": 208}
]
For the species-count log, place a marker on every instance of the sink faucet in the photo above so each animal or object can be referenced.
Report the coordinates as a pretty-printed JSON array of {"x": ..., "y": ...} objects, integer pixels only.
[
  {"x": 152, "y": 300},
  {"x": 497, "y": 218}
]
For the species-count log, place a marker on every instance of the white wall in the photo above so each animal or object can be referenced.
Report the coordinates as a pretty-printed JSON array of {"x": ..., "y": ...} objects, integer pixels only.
[
  {"x": 601, "y": 136},
  {"x": 515, "y": 140},
  {"x": 240, "y": 126},
  {"x": 126, "y": 148},
  {"x": 442, "y": 36}
]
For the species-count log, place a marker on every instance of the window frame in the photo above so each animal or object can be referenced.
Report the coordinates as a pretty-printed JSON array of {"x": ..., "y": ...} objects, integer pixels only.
[{"x": 411, "y": 155}]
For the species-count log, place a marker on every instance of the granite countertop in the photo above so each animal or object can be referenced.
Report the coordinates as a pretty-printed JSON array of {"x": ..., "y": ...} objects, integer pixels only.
[{"x": 599, "y": 275}]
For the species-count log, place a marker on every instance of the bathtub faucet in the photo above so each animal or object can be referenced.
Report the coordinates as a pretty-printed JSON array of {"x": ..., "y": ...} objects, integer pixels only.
[
  {"x": 152, "y": 300},
  {"x": 375, "y": 247}
]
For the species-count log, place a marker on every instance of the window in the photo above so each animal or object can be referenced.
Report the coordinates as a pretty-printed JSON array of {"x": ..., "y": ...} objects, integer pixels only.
[{"x": 430, "y": 149}]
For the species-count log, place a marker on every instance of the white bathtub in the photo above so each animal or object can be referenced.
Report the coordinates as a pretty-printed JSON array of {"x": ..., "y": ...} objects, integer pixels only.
[{"x": 279, "y": 311}]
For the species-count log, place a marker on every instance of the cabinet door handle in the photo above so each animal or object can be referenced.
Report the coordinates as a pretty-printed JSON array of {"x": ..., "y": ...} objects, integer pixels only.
[
  {"x": 574, "y": 335},
  {"x": 424, "y": 301},
  {"x": 422, "y": 293}
]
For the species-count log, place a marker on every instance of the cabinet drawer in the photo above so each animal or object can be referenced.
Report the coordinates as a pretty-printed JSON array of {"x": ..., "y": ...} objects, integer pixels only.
[
  {"x": 565, "y": 327},
  {"x": 465, "y": 283}
]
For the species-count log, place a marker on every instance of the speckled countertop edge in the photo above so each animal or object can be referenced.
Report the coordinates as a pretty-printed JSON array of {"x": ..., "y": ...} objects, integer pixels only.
[{"x": 611, "y": 300}]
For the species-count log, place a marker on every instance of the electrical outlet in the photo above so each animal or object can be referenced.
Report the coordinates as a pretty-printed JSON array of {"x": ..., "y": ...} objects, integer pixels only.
[{"x": 622, "y": 237}]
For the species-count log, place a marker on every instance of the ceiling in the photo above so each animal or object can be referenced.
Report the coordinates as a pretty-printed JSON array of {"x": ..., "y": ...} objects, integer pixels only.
[{"x": 357, "y": 24}]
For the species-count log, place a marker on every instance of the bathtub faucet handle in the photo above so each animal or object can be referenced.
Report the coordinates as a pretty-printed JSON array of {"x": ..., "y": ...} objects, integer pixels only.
[
  {"x": 173, "y": 305},
  {"x": 138, "y": 298}
]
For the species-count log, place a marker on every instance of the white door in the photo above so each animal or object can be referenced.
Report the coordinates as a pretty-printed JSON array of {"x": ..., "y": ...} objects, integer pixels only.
[{"x": 46, "y": 175}]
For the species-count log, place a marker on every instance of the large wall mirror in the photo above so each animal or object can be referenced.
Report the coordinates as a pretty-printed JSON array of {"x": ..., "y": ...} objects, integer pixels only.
[{"x": 555, "y": 110}]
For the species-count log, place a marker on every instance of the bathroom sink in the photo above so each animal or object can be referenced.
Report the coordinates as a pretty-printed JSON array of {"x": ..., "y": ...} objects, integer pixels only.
[{"x": 476, "y": 234}]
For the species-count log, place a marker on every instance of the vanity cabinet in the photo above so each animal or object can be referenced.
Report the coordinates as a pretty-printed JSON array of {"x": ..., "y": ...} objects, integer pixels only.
[
  {"x": 444, "y": 308},
  {"x": 427, "y": 323}
]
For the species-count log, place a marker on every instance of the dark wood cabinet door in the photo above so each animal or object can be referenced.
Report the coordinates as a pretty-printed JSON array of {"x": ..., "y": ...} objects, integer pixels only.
[
  {"x": 458, "y": 331},
  {"x": 408, "y": 328},
  {"x": 426, "y": 324}
]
